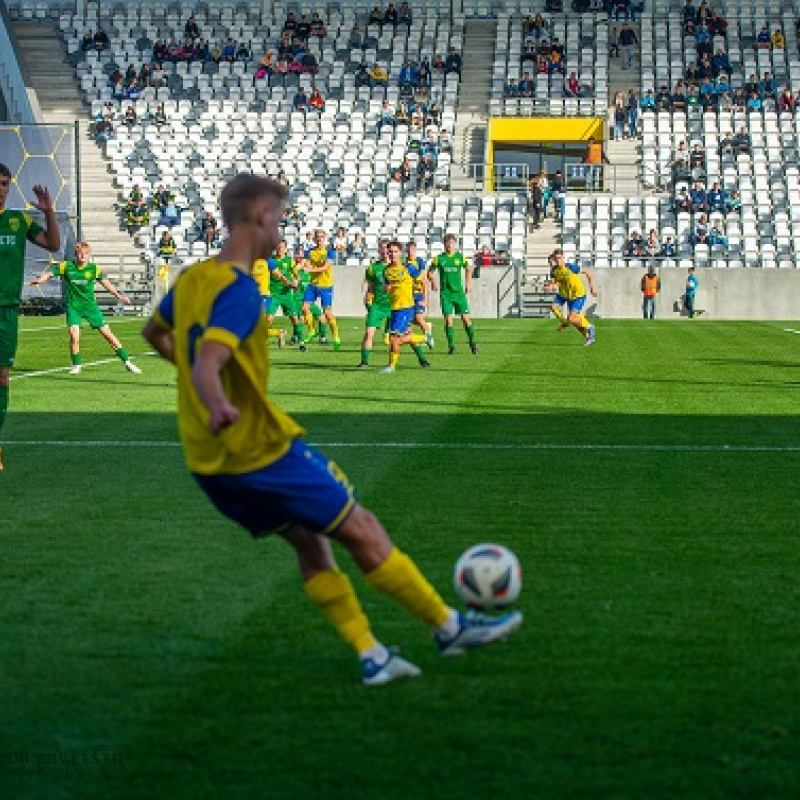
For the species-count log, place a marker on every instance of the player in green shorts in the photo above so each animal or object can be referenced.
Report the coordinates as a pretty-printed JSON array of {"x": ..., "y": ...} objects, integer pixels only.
[
  {"x": 79, "y": 277},
  {"x": 283, "y": 282},
  {"x": 16, "y": 230},
  {"x": 303, "y": 277},
  {"x": 377, "y": 302},
  {"x": 452, "y": 268}
]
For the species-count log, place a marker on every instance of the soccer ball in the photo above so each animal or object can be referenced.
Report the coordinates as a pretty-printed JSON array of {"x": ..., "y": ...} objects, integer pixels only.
[{"x": 488, "y": 576}]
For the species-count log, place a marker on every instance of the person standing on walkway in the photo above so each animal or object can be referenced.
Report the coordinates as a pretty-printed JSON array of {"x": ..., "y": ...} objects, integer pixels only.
[
  {"x": 651, "y": 285},
  {"x": 627, "y": 41}
]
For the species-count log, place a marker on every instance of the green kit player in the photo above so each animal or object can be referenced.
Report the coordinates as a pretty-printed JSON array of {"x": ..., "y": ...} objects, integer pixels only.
[
  {"x": 79, "y": 277},
  {"x": 377, "y": 302},
  {"x": 320, "y": 329},
  {"x": 16, "y": 230},
  {"x": 283, "y": 282},
  {"x": 452, "y": 268}
]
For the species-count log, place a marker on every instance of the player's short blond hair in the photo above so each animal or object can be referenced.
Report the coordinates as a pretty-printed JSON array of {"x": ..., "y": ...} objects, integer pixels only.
[{"x": 240, "y": 194}]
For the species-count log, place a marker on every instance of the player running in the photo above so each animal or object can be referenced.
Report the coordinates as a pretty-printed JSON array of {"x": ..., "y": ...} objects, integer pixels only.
[
  {"x": 261, "y": 276},
  {"x": 16, "y": 230},
  {"x": 566, "y": 278},
  {"x": 319, "y": 328},
  {"x": 377, "y": 302},
  {"x": 399, "y": 277},
  {"x": 321, "y": 286},
  {"x": 79, "y": 277},
  {"x": 454, "y": 270},
  {"x": 282, "y": 284},
  {"x": 249, "y": 458},
  {"x": 420, "y": 293}
]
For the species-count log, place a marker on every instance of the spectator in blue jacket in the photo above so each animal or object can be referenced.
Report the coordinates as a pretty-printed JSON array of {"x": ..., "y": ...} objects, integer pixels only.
[
  {"x": 408, "y": 75},
  {"x": 511, "y": 89},
  {"x": 716, "y": 198},
  {"x": 699, "y": 198},
  {"x": 648, "y": 101}
]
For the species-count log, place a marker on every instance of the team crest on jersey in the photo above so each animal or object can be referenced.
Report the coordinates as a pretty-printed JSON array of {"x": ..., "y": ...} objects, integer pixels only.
[
  {"x": 13, "y": 223},
  {"x": 87, "y": 274}
]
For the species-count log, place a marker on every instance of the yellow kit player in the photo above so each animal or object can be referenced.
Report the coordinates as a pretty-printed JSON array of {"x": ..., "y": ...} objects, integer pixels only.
[
  {"x": 566, "y": 278},
  {"x": 261, "y": 275},
  {"x": 399, "y": 278},
  {"x": 250, "y": 459},
  {"x": 320, "y": 287}
]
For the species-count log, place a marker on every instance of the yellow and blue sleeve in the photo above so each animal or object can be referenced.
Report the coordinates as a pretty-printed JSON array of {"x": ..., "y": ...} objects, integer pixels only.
[
  {"x": 236, "y": 312},
  {"x": 165, "y": 313}
]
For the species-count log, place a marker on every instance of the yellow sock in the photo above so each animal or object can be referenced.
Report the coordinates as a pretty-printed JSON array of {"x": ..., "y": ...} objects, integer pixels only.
[
  {"x": 584, "y": 322},
  {"x": 558, "y": 315},
  {"x": 309, "y": 319},
  {"x": 332, "y": 591},
  {"x": 399, "y": 577},
  {"x": 393, "y": 359},
  {"x": 334, "y": 330},
  {"x": 417, "y": 338},
  {"x": 275, "y": 332}
]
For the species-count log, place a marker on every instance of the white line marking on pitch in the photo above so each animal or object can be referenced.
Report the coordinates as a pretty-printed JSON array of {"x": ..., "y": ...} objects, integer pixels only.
[
  {"x": 55, "y": 370},
  {"x": 640, "y": 448},
  {"x": 790, "y": 330}
]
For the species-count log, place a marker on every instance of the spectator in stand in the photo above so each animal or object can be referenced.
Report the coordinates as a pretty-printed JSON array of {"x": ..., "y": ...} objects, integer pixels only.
[
  {"x": 754, "y": 102},
  {"x": 101, "y": 40},
  {"x": 633, "y": 114},
  {"x": 174, "y": 51},
  {"x": 652, "y": 245},
  {"x": 229, "y": 51},
  {"x": 668, "y": 248},
  {"x": 635, "y": 247},
  {"x": 375, "y": 17},
  {"x": 733, "y": 204},
  {"x": 720, "y": 62},
  {"x": 316, "y": 102},
  {"x": 699, "y": 233},
  {"x": 622, "y": 9},
  {"x": 663, "y": 99},
  {"x": 309, "y": 63},
  {"x": 424, "y": 70},
  {"x": 216, "y": 54},
  {"x": 243, "y": 53},
  {"x": 87, "y": 43},
  {"x": 167, "y": 247},
  {"x": 355, "y": 42},
  {"x": 433, "y": 116},
  {"x": 209, "y": 229},
  {"x": 511, "y": 89},
  {"x": 580, "y": 6},
  {"x": 362, "y": 74},
  {"x": 627, "y": 41},
  {"x": 555, "y": 63},
  {"x": 401, "y": 116},
  {"x": 689, "y": 18},
  {"x": 763, "y": 39},
  {"x": 405, "y": 170},
  {"x": 484, "y": 257},
  {"x": 130, "y": 119},
  {"x": 408, "y": 77},
  {"x": 390, "y": 16},
  {"x": 786, "y": 101},
  {"x": 318, "y": 27},
  {"x": 404, "y": 15},
  {"x": 778, "y": 39},
  {"x": 620, "y": 116},
  {"x": 171, "y": 215},
  {"x": 613, "y": 43},
  {"x": 386, "y": 116},
  {"x": 528, "y": 53},
  {"x": 340, "y": 244},
  {"x": 378, "y": 76},
  {"x": 699, "y": 198},
  {"x": 678, "y": 99},
  {"x": 768, "y": 88},
  {"x": 356, "y": 247},
  {"x": 202, "y": 52},
  {"x": 160, "y": 116},
  {"x": 191, "y": 28},
  {"x": 716, "y": 198},
  {"x": 526, "y": 85},
  {"x": 697, "y": 161},
  {"x": 722, "y": 85},
  {"x": 703, "y": 40},
  {"x": 682, "y": 200},
  {"x": 438, "y": 63},
  {"x": 303, "y": 29},
  {"x": 559, "y": 195},
  {"x": 291, "y": 23},
  {"x": 572, "y": 86},
  {"x": 431, "y": 148},
  {"x": 554, "y": 6},
  {"x": 453, "y": 62},
  {"x": 425, "y": 174},
  {"x": 536, "y": 200},
  {"x": 266, "y": 65},
  {"x": 648, "y": 101},
  {"x": 716, "y": 236},
  {"x": 300, "y": 101},
  {"x": 718, "y": 25}
]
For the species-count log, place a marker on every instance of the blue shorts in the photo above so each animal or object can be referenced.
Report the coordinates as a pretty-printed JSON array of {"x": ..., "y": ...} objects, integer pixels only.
[
  {"x": 301, "y": 488},
  {"x": 576, "y": 304},
  {"x": 560, "y": 301},
  {"x": 324, "y": 295},
  {"x": 419, "y": 303},
  {"x": 400, "y": 323},
  {"x": 266, "y": 301}
]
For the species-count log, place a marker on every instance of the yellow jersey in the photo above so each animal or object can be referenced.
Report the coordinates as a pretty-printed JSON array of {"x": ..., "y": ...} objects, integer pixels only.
[
  {"x": 260, "y": 273},
  {"x": 570, "y": 283},
  {"x": 319, "y": 257},
  {"x": 219, "y": 302},
  {"x": 399, "y": 280}
]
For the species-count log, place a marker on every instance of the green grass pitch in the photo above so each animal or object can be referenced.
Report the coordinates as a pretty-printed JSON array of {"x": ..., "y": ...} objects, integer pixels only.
[{"x": 149, "y": 649}]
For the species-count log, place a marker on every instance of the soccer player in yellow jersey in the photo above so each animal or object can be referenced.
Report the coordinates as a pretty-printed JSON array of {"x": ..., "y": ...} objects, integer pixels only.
[
  {"x": 249, "y": 458},
  {"x": 420, "y": 292},
  {"x": 399, "y": 278},
  {"x": 261, "y": 276},
  {"x": 320, "y": 287},
  {"x": 566, "y": 278}
]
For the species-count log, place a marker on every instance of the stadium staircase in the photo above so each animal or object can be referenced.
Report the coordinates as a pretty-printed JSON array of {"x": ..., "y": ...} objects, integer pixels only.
[
  {"x": 53, "y": 79},
  {"x": 472, "y": 110}
]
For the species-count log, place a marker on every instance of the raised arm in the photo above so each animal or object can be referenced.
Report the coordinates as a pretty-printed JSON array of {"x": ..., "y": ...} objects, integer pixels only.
[{"x": 50, "y": 237}]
